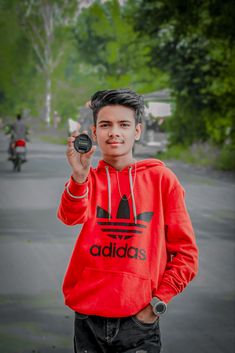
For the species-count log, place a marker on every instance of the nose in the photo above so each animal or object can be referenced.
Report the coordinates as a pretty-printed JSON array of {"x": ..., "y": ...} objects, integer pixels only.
[{"x": 113, "y": 131}]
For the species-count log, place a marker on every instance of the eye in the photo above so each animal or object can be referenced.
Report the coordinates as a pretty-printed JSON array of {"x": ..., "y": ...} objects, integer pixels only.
[
  {"x": 125, "y": 125},
  {"x": 104, "y": 125}
]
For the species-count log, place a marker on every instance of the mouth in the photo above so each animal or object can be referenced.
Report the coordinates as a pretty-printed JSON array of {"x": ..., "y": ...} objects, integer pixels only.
[{"x": 113, "y": 142}]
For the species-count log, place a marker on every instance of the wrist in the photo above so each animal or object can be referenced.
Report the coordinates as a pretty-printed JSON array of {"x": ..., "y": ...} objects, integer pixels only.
[
  {"x": 79, "y": 178},
  {"x": 77, "y": 190}
]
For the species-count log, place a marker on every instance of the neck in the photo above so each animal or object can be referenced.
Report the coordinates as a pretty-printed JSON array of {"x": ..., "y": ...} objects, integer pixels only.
[{"x": 119, "y": 162}]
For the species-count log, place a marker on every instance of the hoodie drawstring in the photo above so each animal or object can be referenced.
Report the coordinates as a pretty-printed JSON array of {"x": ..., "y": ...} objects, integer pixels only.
[
  {"x": 110, "y": 193},
  {"x": 132, "y": 195}
]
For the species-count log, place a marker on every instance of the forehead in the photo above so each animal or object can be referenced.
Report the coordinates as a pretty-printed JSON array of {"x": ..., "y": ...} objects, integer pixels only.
[{"x": 115, "y": 112}]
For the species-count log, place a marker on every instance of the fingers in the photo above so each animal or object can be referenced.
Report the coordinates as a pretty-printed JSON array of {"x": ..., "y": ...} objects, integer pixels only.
[
  {"x": 91, "y": 152},
  {"x": 86, "y": 157},
  {"x": 70, "y": 144},
  {"x": 74, "y": 134},
  {"x": 77, "y": 133}
]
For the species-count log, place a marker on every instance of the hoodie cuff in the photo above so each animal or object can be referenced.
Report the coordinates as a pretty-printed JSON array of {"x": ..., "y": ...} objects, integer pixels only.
[
  {"x": 165, "y": 292},
  {"x": 76, "y": 190}
]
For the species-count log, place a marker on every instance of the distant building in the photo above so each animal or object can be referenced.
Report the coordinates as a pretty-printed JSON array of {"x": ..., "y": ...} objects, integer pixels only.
[
  {"x": 158, "y": 104},
  {"x": 158, "y": 96},
  {"x": 158, "y": 108}
]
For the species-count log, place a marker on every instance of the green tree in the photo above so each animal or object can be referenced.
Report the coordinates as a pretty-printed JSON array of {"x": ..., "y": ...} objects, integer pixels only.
[
  {"x": 16, "y": 68},
  {"x": 46, "y": 23},
  {"x": 73, "y": 83},
  {"x": 106, "y": 40},
  {"x": 39, "y": 64},
  {"x": 194, "y": 43}
]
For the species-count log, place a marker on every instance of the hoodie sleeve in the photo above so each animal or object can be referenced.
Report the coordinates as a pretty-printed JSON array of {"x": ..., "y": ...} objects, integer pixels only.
[
  {"x": 73, "y": 208},
  {"x": 182, "y": 264}
]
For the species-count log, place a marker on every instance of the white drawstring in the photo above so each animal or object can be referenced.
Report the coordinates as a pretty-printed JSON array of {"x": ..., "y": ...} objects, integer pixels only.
[
  {"x": 109, "y": 191},
  {"x": 132, "y": 195}
]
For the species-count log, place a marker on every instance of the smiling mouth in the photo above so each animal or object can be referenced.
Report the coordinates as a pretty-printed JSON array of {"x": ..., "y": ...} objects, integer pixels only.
[{"x": 115, "y": 142}]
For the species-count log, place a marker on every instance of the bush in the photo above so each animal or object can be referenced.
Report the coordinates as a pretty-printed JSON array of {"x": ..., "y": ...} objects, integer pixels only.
[
  {"x": 203, "y": 154},
  {"x": 226, "y": 160}
]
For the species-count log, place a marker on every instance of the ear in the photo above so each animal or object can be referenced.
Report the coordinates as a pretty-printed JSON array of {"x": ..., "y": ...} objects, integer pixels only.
[
  {"x": 138, "y": 131},
  {"x": 93, "y": 129}
]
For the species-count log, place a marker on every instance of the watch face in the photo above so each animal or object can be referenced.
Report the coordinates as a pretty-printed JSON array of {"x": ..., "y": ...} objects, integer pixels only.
[{"x": 160, "y": 308}]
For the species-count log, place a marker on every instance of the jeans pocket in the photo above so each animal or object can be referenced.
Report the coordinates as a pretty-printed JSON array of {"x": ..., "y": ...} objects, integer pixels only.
[
  {"x": 145, "y": 325},
  {"x": 80, "y": 316}
]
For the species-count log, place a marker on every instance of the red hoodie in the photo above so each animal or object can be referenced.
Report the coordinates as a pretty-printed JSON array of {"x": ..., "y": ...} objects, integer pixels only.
[{"x": 136, "y": 241}]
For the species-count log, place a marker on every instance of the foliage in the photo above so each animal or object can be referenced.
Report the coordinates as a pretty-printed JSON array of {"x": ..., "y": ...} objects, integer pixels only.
[
  {"x": 106, "y": 40},
  {"x": 73, "y": 84},
  {"x": 54, "y": 140},
  {"x": 194, "y": 43},
  {"x": 145, "y": 45},
  {"x": 29, "y": 57},
  {"x": 226, "y": 160},
  {"x": 45, "y": 23},
  {"x": 16, "y": 69}
]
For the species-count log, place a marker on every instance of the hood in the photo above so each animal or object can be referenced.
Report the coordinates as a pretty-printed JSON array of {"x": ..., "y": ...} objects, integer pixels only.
[
  {"x": 140, "y": 165},
  {"x": 132, "y": 170}
]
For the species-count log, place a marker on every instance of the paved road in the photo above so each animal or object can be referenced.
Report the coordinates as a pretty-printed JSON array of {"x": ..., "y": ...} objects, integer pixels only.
[{"x": 35, "y": 249}]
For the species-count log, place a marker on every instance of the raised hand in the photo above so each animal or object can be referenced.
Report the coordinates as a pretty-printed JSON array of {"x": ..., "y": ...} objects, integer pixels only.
[{"x": 80, "y": 163}]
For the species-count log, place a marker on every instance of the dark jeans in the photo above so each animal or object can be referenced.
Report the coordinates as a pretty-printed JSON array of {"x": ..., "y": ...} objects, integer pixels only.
[{"x": 95, "y": 334}]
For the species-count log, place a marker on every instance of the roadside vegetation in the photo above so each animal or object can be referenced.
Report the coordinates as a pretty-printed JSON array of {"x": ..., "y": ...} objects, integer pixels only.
[
  {"x": 53, "y": 139},
  {"x": 202, "y": 154}
]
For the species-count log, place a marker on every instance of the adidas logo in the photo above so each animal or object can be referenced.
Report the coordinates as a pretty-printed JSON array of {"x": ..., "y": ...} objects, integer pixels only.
[
  {"x": 112, "y": 250},
  {"x": 120, "y": 229}
]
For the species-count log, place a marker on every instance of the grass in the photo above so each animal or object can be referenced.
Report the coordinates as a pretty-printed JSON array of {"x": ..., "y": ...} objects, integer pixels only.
[
  {"x": 54, "y": 139},
  {"x": 202, "y": 154}
]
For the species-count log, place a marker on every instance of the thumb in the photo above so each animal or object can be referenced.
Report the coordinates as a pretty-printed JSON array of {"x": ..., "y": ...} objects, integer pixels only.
[{"x": 91, "y": 152}]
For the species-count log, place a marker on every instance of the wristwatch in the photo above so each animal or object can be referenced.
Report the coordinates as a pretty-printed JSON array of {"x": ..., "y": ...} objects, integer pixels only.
[{"x": 158, "y": 306}]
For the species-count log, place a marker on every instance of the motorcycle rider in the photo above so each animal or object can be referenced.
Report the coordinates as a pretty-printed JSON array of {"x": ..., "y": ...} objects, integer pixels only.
[{"x": 18, "y": 131}]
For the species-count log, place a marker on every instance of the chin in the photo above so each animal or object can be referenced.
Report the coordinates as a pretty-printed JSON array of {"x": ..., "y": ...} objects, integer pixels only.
[{"x": 119, "y": 153}]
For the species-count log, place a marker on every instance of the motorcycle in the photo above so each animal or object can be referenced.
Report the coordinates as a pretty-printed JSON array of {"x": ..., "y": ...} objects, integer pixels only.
[{"x": 19, "y": 154}]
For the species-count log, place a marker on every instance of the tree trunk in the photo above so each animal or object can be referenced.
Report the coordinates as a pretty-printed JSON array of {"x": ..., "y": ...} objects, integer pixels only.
[{"x": 48, "y": 101}]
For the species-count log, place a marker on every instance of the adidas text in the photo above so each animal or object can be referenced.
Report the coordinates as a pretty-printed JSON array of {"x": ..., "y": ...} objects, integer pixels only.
[{"x": 112, "y": 250}]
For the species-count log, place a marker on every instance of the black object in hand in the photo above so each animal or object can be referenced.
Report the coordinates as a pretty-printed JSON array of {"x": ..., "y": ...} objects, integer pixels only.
[{"x": 82, "y": 143}]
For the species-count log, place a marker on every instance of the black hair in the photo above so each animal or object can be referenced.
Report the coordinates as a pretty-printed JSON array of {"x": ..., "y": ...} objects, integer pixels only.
[
  {"x": 123, "y": 96},
  {"x": 18, "y": 116}
]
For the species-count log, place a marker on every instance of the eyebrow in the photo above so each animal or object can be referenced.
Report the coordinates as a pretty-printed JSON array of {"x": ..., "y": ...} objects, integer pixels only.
[{"x": 108, "y": 121}]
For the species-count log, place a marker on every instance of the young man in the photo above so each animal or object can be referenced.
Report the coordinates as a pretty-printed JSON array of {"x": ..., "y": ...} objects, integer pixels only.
[{"x": 136, "y": 249}]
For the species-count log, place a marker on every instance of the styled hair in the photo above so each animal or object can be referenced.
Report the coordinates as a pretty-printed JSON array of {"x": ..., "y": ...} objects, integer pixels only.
[{"x": 125, "y": 97}]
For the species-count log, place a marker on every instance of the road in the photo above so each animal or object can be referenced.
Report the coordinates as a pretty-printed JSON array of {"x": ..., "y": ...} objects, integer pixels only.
[{"x": 35, "y": 249}]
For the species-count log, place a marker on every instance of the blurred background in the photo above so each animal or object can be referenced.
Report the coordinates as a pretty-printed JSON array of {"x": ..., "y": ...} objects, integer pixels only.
[{"x": 54, "y": 55}]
